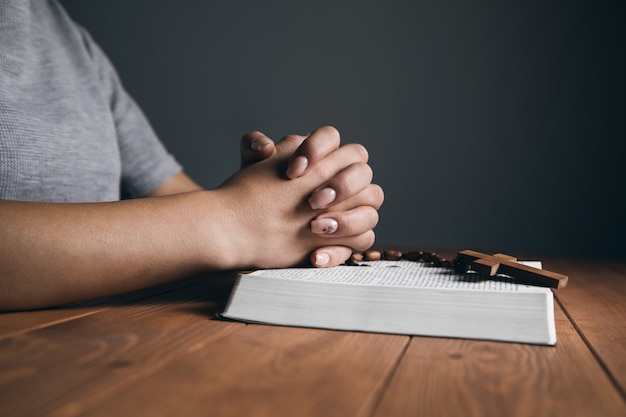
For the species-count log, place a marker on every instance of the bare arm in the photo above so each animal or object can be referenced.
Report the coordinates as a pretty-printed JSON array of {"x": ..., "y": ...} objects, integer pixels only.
[
  {"x": 58, "y": 253},
  {"x": 53, "y": 253}
]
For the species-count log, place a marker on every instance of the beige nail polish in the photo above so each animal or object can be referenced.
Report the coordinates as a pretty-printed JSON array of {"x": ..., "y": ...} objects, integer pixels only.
[
  {"x": 322, "y": 259},
  {"x": 297, "y": 167},
  {"x": 324, "y": 226},
  {"x": 322, "y": 198}
]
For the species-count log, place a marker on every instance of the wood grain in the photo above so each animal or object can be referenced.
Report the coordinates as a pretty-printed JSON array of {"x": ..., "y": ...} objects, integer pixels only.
[
  {"x": 447, "y": 377},
  {"x": 12, "y": 323},
  {"x": 263, "y": 371},
  {"x": 596, "y": 302},
  {"x": 159, "y": 353},
  {"x": 49, "y": 368}
]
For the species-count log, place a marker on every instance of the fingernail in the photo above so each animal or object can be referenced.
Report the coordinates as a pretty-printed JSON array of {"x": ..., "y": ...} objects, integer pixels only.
[
  {"x": 322, "y": 198},
  {"x": 297, "y": 167},
  {"x": 324, "y": 226},
  {"x": 258, "y": 144},
  {"x": 322, "y": 259}
]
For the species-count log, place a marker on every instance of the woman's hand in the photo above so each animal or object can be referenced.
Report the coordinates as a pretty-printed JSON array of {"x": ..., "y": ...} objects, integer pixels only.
[{"x": 331, "y": 205}]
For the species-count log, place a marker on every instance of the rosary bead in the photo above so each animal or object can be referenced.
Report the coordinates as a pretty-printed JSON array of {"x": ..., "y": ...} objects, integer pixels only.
[
  {"x": 393, "y": 255},
  {"x": 356, "y": 257},
  {"x": 428, "y": 256},
  {"x": 373, "y": 255},
  {"x": 414, "y": 256}
]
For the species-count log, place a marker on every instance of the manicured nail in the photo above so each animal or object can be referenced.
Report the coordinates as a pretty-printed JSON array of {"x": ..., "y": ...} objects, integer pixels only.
[
  {"x": 297, "y": 167},
  {"x": 324, "y": 226},
  {"x": 258, "y": 144},
  {"x": 322, "y": 198},
  {"x": 322, "y": 259}
]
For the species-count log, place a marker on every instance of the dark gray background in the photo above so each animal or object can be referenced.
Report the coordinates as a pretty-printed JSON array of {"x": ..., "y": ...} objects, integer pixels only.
[{"x": 491, "y": 125}]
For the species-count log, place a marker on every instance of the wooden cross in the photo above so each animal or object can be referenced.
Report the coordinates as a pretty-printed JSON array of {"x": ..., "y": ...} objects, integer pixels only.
[{"x": 499, "y": 263}]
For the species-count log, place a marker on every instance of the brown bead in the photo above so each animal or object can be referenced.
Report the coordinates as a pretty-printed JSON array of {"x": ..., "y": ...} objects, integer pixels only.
[
  {"x": 414, "y": 255},
  {"x": 373, "y": 255},
  {"x": 428, "y": 256},
  {"x": 437, "y": 260},
  {"x": 393, "y": 255},
  {"x": 357, "y": 257}
]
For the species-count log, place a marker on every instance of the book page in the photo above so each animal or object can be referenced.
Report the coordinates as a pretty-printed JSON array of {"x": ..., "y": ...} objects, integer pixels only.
[{"x": 400, "y": 274}]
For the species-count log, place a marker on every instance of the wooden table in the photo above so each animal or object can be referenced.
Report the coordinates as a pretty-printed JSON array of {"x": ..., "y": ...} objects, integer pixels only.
[{"x": 161, "y": 352}]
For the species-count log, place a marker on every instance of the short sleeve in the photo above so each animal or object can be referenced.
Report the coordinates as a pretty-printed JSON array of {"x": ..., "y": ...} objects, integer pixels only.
[{"x": 146, "y": 163}]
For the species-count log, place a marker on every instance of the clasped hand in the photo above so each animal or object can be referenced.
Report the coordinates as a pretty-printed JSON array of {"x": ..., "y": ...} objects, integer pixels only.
[{"x": 303, "y": 199}]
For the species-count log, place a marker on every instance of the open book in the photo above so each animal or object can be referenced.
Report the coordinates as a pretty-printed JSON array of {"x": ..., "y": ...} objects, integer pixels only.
[{"x": 399, "y": 297}]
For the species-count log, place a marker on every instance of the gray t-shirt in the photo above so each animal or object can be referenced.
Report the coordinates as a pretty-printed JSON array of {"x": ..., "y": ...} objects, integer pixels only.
[{"x": 68, "y": 130}]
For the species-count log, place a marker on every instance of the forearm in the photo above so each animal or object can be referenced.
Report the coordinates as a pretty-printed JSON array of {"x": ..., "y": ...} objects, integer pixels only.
[
  {"x": 58, "y": 253},
  {"x": 55, "y": 253}
]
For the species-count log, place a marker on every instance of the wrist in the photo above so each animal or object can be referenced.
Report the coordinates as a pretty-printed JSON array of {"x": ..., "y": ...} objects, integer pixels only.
[{"x": 220, "y": 241}]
